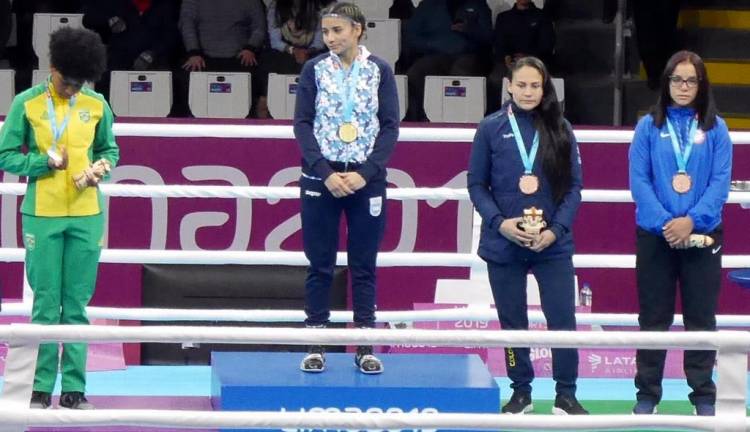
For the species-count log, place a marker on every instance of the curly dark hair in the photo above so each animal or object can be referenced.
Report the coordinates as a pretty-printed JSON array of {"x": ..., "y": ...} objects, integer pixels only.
[{"x": 77, "y": 54}]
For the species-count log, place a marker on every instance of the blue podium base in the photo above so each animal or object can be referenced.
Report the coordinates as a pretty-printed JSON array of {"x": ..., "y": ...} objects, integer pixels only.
[{"x": 410, "y": 383}]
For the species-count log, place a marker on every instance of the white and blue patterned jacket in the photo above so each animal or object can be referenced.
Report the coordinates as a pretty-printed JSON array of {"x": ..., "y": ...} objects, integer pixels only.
[{"x": 319, "y": 112}]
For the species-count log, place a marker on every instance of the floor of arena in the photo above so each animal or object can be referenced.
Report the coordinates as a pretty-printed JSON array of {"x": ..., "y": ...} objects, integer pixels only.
[{"x": 189, "y": 388}]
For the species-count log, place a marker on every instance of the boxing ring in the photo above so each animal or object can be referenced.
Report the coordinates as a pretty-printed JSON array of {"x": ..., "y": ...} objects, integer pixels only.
[
  {"x": 732, "y": 350},
  {"x": 732, "y": 346}
]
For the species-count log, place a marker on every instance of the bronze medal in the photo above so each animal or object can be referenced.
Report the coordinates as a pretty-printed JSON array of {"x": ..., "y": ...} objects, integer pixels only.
[
  {"x": 528, "y": 184},
  {"x": 348, "y": 132},
  {"x": 681, "y": 183}
]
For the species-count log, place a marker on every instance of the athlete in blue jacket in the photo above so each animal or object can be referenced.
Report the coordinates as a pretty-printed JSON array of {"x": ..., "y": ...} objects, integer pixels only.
[
  {"x": 680, "y": 167},
  {"x": 346, "y": 122},
  {"x": 505, "y": 178}
]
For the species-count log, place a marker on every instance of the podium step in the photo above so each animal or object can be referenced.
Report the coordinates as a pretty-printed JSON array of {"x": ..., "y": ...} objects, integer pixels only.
[{"x": 410, "y": 383}]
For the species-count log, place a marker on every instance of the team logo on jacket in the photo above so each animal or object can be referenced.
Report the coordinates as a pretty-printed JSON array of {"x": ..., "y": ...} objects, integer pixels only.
[
  {"x": 376, "y": 206},
  {"x": 84, "y": 116}
]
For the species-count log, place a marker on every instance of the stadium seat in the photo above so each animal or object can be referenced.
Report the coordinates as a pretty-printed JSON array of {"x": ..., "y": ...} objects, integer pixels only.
[
  {"x": 451, "y": 99},
  {"x": 44, "y": 24},
  {"x": 383, "y": 38},
  {"x": 219, "y": 95},
  {"x": 282, "y": 92},
  {"x": 403, "y": 93},
  {"x": 374, "y": 9},
  {"x": 7, "y": 89},
  {"x": 141, "y": 94}
]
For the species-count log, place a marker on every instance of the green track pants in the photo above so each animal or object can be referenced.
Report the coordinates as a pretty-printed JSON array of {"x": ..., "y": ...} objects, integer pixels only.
[{"x": 62, "y": 256}]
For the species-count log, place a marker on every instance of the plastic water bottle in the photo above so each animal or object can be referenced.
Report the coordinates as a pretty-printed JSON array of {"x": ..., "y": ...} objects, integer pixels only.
[{"x": 584, "y": 296}]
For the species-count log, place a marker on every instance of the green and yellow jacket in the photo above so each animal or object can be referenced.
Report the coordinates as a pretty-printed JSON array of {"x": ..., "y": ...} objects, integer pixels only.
[{"x": 26, "y": 136}]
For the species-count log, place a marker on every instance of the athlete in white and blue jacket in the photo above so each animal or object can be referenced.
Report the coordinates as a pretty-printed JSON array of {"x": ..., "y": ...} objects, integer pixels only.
[{"x": 346, "y": 122}]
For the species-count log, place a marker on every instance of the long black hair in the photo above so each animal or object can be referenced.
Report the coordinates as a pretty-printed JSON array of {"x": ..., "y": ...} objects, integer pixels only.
[
  {"x": 554, "y": 136},
  {"x": 704, "y": 100},
  {"x": 305, "y": 18}
]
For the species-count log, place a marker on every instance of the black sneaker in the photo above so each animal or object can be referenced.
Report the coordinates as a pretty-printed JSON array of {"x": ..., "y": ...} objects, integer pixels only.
[
  {"x": 75, "y": 400},
  {"x": 567, "y": 405},
  {"x": 315, "y": 360},
  {"x": 40, "y": 400},
  {"x": 519, "y": 403},
  {"x": 366, "y": 361}
]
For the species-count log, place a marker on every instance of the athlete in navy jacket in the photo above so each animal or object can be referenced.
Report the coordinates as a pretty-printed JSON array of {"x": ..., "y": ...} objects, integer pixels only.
[{"x": 505, "y": 178}]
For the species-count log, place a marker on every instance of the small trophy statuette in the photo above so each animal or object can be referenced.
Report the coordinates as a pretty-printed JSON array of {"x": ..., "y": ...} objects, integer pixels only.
[
  {"x": 700, "y": 241},
  {"x": 92, "y": 175},
  {"x": 533, "y": 221}
]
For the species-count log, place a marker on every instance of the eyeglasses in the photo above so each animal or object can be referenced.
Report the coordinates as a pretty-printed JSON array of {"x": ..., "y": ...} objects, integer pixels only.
[{"x": 678, "y": 81}]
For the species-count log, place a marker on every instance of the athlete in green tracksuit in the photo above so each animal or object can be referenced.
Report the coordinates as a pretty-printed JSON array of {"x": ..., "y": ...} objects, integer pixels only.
[{"x": 66, "y": 132}]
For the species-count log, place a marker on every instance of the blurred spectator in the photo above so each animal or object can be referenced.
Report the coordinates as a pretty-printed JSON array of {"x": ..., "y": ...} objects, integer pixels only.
[
  {"x": 656, "y": 35},
  {"x": 521, "y": 31},
  {"x": 402, "y": 10},
  {"x": 446, "y": 37},
  {"x": 295, "y": 36},
  {"x": 219, "y": 36},
  {"x": 552, "y": 8},
  {"x": 5, "y": 26},
  {"x": 140, "y": 34}
]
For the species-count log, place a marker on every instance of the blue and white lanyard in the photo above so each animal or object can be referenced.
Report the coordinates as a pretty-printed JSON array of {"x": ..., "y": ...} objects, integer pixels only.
[{"x": 526, "y": 158}]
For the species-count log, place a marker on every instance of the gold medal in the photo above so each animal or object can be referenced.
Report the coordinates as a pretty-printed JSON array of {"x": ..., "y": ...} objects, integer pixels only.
[
  {"x": 681, "y": 183},
  {"x": 528, "y": 184},
  {"x": 348, "y": 132}
]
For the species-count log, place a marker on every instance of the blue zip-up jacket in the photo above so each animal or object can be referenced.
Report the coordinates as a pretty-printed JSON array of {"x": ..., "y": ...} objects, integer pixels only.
[
  {"x": 653, "y": 164},
  {"x": 319, "y": 112},
  {"x": 495, "y": 167}
]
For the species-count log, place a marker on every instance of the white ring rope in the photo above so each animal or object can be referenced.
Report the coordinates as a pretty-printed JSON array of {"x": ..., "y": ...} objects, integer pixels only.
[
  {"x": 469, "y": 313},
  {"x": 357, "y": 421},
  {"x": 385, "y": 259},
  {"x": 406, "y": 134},
  {"x": 732, "y": 347},
  {"x": 697, "y": 340},
  {"x": 726, "y": 342},
  {"x": 416, "y": 134},
  {"x": 290, "y": 192},
  {"x": 24, "y": 333},
  {"x": 731, "y": 417}
]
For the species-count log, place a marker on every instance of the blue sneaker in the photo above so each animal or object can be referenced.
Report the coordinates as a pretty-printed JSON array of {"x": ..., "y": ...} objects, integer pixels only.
[
  {"x": 644, "y": 407},
  {"x": 704, "y": 409}
]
